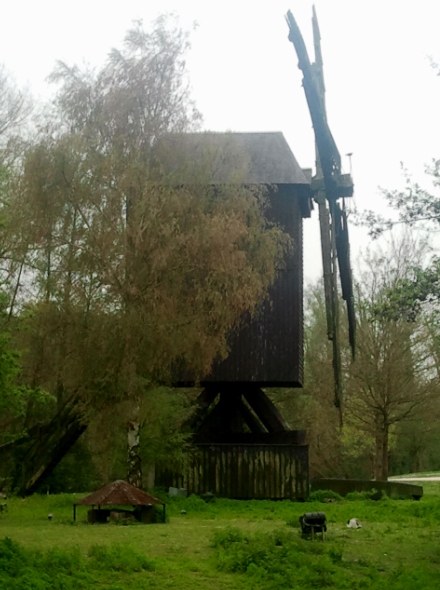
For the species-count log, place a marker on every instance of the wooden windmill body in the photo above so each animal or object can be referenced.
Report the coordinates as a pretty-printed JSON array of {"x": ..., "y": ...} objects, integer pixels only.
[{"x": 245, "y": 449}]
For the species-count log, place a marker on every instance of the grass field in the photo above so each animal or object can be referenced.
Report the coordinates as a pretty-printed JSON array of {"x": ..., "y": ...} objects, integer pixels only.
[{"x": 224, "y": 544}]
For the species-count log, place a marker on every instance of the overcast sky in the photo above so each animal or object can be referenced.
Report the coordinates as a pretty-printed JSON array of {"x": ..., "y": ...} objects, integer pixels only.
[{"x": 382, "y": 94}]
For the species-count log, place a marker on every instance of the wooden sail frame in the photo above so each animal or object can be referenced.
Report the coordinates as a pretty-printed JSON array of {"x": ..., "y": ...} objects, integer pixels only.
[{"x": 329, "y": 185}]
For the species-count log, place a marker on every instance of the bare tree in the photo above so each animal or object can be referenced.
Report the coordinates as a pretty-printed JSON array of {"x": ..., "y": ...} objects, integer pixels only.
[{"x": 15, "y": 106}]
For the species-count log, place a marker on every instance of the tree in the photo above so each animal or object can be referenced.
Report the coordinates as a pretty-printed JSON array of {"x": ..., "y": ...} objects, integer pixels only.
[
  {"x": 15, "y": 108},
  {"x": 129, "y": 274},
  {"x": 412, "y": 204},
  {"x": 394, "y": 376},
  {"x": 393, "y": 383},
  {"x": 319, "y": 415},
  {"x": 15, "y": 397}
]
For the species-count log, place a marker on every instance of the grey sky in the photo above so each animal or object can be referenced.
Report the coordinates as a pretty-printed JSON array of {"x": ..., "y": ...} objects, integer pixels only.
[{"x": 382, "y": 95}]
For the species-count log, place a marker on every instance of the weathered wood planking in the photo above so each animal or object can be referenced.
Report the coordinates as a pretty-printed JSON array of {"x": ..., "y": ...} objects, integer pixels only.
[
  {"x": 244, "y": 471},
  {"x": 266, "y": 349}
]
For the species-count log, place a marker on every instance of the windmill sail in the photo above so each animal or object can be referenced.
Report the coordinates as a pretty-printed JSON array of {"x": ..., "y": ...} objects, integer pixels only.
[{"x": 329, "y": 185}]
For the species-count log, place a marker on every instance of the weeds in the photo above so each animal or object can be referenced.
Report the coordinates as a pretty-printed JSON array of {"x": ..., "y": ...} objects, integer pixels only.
[
  {"x": 119, "y": 558},
  {"x": 64, "y": 569},
  {"x": 280, "y": 558},
  {"x": 323, "y": 496},
  {"x": 224, "y": 544}
]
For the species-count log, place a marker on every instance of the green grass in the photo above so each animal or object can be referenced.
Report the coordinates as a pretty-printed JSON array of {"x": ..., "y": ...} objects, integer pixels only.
[{"x": 224, "y": 544}]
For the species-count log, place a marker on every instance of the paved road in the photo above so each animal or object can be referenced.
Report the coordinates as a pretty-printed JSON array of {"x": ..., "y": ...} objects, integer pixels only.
[{"x": 421, "y": 478}]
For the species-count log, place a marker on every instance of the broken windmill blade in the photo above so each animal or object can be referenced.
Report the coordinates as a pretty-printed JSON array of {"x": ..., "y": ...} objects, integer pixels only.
[{"x": 329, "y": 185}]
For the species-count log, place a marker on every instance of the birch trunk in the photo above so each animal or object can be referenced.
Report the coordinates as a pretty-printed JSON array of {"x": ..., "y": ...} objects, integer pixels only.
[{"x": 134, "y": 461}]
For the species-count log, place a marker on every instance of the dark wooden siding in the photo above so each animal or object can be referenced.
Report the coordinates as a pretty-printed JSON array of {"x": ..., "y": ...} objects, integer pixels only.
[
  {"x": 244, "y": 471},
  {"x": 268, "y": 349}
]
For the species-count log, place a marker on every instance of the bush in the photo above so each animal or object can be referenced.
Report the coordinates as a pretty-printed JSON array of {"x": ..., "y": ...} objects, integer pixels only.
[
  {"x": 322, "y": 495},
  {"x": 22, "y": 569},
  {"x": 227, "y": 536},
  {"x": 372, "y": 494},
  {"x": 280, "y": 558},
  {"x": 57, "y": 570},
  {"x": 12, "y": 557},
  {"x": 120, "y": 558},
  {"x": 194, "y": 504}
]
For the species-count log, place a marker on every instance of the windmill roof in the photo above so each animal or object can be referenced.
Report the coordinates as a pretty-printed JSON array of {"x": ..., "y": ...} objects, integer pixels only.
[
  {"x": 119, "y": 493},
  {"x": 268, "y": 157}
]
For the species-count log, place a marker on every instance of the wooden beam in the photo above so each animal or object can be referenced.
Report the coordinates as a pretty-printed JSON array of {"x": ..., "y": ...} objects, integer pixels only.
[
  {"x": 226, "y": 417},
  {"x": 253, "y": 423},
  {"x": 265, "y": 409}
]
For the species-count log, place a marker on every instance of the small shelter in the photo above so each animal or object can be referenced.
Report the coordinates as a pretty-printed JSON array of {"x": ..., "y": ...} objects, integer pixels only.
[{"x": 116, "y": 495}]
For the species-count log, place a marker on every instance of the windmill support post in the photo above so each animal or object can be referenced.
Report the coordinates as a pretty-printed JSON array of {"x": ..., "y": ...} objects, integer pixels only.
[{"x": 267, "y": 461}]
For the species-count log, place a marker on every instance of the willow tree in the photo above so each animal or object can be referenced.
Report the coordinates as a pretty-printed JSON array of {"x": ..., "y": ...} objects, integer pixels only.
[{"x": 129, "y": 272}]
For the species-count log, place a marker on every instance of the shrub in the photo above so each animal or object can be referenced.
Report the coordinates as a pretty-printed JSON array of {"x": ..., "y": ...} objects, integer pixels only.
[
  {"x": 322, "y": 495},
  {"x": 227, "y": 536},
  {"x": 121, "y": 558},
  {"x": 194, "y": 504},
  {"x": 12, "y": 557},
  {"x": 280, "y": 558},
  {"x": 22, "y": 569}
]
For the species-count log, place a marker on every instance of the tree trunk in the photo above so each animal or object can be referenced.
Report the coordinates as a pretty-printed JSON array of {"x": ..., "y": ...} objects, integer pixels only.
[
  {"x": 134, "y": 461},
  {"x": 36, "y": 455},
  {"x": 378, "y": 456},
  {"x": 385, "y": 454},
  {"x": 381, "y": 458}
]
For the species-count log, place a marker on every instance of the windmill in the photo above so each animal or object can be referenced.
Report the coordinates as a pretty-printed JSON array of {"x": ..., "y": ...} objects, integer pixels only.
[
  {"x": 243, "y": 446},
  {"x": 330, "y": 188}
]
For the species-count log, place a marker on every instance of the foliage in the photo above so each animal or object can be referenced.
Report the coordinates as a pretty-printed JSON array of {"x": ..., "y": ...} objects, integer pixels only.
[
  {"x": 413, "y": 296},
  {"x": 64, "y": 569},
  {"x": 162, "y": 439},
  {"x": 77, "y": 472},
  {"x": 15, "y": 397},
  {"x": 100, "y": 455},
  {"x": 134, "y": 274},
  {"x": 392, "y": 385},
  {"x": 322, "y": 495},
  {"x": 119, "y": 558},
  {"x": 15, "y": 108},
  {"x": 21, "y": 569},
  {"x": 319, "y": 417},
  {"x": 125, "y": 272},
  {"x": 280, "y": 559},
  {"x": 396, "y": 546},
  {"x": 413, "y": 204},
  {"x": 394, "y": 376}
]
